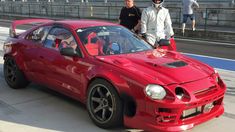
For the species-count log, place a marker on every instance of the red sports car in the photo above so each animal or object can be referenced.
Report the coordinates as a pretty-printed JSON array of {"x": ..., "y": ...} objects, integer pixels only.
[{"x": 120, "y": 77}]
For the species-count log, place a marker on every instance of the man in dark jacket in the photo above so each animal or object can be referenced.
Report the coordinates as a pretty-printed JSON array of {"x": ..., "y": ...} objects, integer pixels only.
[{"x": 130, "y": 16}]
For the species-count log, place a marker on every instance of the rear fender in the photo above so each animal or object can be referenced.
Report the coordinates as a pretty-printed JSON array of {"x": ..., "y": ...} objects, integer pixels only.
[{"x": 17, "y": 56}]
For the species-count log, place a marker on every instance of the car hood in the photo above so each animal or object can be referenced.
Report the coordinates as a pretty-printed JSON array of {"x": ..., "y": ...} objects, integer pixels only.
[{"x": 167, "y": 67}]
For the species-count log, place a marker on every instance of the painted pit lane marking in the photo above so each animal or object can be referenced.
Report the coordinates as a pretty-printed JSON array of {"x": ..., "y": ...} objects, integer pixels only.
[
  {"x": 230, "y": 91},
  {"x": 209, "y": 42},
  {"x": 1, "y": 53},
  {"x": 229, "y": 115},
  {"x": 222, "y": 63},
  {"x": 209, "y": 57}
]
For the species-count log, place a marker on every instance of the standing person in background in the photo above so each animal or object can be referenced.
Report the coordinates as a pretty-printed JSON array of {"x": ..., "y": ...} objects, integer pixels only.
[
  {"x": 188, "y": 6},
  {"x": 130, "y": 16},
  {"x": 156, "y": 23}
]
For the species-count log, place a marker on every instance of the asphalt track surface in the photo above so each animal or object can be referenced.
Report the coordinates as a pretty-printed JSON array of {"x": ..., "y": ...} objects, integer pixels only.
[
  {"x": 39, "y": 109},
  {"x": 215, "y": 49}
]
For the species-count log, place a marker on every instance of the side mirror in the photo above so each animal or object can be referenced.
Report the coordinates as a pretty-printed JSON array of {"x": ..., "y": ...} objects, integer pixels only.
[
  {"x": 69, "y": 51},
  {"x": 163, "y": 42}
]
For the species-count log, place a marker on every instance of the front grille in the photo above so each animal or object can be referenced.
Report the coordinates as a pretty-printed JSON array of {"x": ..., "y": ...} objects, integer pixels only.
[
  {"x": 204, "y": 92},
  {"x": 165, "y": 115},
  {"x": 203, "y": 109},
  {"x": 191, "y": 111}
]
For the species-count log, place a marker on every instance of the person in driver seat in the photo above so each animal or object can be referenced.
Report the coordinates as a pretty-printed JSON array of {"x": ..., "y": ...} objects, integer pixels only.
[
  {"x": 68, "y": 42},
  {"x": 118, "y": 44}
]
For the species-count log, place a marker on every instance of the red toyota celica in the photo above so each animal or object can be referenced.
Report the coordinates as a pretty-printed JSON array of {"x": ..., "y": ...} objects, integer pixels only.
[{"x": 120, "y": 77}]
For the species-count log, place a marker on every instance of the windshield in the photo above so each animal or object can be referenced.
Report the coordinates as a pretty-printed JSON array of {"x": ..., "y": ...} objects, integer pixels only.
[{"x": 109, "y": 40}]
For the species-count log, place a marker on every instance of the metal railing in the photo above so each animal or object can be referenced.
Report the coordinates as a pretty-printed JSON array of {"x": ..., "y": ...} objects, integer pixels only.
[
  {"x": 218, "y": 17},
  {"x": 205, "y": 16}
]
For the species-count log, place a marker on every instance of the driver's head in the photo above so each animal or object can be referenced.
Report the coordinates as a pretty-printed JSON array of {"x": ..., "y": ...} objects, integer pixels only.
[
  {"x": 73, "y": 44},
  {"x": 157, "y": 3},
  {"x": 129, "y": 3}
]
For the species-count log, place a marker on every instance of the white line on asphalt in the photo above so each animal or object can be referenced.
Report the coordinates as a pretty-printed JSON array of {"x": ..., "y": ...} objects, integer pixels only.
[
  {"x": 208, "y": 56},
  {"x": 204, "y": 41},
  {"x": 3, "y": 38},
  {"x": 224, "y": 70},
  {"x": 6, "y": 29}
]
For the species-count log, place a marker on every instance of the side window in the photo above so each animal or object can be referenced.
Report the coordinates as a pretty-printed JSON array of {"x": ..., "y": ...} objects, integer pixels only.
[
  {"x": 60, "y": 38},
  {"x": 39, "y": 34}
]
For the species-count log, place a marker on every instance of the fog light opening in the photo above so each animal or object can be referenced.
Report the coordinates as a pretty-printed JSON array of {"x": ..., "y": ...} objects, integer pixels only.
[{"x": 179, "y": 93}]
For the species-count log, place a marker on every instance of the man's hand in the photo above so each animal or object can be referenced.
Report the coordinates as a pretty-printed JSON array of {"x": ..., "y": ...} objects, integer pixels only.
[
  {"x": 144, "y": 36},
  {"x": 133, "y": 30}
]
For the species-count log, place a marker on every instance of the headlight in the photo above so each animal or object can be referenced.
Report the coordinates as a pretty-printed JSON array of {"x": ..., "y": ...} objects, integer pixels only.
[
  {"x": 217, "y": 79},
  {"x": 215, "y": 70},
  {"x": 7, "y": 47},
  {"x": 155, "y": 91},
  {"x": 216, "y": 76}
]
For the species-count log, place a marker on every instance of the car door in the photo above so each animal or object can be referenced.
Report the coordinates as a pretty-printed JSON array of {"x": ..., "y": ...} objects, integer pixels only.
[
  {"x": 62, "y": 72},
  {"x": 32, "y": 46}
]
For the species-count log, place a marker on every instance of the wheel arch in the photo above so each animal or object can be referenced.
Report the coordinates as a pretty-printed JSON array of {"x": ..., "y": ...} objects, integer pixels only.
[
  {"x": 17, "y": 58},
  {"x": 19, "y": 79},
  {"x": 128, "y": 101},
  {"x": 103, "y": 78}
]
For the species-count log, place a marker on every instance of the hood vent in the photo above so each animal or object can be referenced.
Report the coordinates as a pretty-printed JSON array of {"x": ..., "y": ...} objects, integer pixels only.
[{"x": 176, "y": 64}]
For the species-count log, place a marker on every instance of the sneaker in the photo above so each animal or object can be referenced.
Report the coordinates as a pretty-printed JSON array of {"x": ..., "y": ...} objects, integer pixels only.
[{"x": 193, "y": 29}]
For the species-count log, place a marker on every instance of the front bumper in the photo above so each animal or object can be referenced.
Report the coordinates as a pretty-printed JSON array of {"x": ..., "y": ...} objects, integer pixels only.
[
  {"x": 184, "y": 125},
  {"x": 177, "y": 116}
]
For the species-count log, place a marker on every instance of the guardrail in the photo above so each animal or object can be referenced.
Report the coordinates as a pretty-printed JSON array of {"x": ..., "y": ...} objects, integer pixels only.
[
  {"x": 215, "y": 16},
  {"x": 205, "y": 16}
]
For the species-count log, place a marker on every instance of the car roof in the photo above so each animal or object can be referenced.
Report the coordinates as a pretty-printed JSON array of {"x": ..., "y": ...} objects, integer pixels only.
[{"x": 83, "y": 23}]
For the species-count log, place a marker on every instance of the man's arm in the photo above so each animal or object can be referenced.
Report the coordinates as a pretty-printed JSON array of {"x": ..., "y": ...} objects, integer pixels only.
[
  {"x": 143, "y": 22},
  {"x": 119, "y": 21},
  {"x": 137, "y": 26},
  {"x": 138, "y": 14},
  {"x": 168, "y": 26},
  {"x": 195, "y": 4}
]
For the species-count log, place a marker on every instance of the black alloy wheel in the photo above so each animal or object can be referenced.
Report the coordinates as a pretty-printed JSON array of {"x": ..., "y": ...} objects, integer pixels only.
[
  {"x": 104, "y": 104},
  {"x": 13, "y": 75}
]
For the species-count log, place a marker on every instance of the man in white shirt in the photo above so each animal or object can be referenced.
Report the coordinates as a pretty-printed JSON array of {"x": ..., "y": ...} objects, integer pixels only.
[
  {"x": 188, "y": 6},
  {"x": 156, "y": 23}
]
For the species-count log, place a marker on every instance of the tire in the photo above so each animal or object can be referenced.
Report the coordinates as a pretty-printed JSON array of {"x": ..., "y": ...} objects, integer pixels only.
[
  {"x": 13, "y": 75},
  {"x": 104, "y": 104}
]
